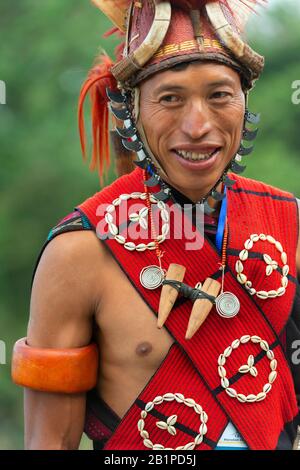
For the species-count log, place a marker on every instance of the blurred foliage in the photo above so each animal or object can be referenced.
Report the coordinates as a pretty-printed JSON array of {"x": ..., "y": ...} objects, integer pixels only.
[{"x": 46, "y": 49}]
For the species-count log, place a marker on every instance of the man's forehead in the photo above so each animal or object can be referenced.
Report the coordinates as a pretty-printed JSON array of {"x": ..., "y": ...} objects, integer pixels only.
[{"x": 209, "y": 76}]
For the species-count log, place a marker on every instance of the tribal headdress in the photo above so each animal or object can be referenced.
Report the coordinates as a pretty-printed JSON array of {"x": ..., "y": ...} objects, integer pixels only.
[{"x": 157, "y": 35}]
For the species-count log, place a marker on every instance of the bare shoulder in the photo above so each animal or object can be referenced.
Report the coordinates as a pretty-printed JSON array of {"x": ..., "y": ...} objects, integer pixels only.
[{"x": 65, "y": 290}]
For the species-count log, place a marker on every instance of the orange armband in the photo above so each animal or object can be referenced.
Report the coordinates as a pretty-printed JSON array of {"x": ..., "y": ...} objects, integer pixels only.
[{"x": 55, "y": 370}]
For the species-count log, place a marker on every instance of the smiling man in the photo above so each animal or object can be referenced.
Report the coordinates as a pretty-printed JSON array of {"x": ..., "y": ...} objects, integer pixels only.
[{"x": 133, "y": 337}]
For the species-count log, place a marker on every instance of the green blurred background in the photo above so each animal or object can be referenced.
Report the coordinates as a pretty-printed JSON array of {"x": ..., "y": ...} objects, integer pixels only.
[{"x": 46, "y": 49}]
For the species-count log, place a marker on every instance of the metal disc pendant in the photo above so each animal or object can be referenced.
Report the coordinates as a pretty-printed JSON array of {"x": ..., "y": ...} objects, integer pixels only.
[
  {"x": 151, "y": 277},
  {"x": 227, "y": 305}
]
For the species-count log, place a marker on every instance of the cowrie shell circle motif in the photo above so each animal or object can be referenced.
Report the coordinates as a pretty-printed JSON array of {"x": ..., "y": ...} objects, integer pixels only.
[
  {"x": 247, "y": 368},
  {"x": 139, "y": 218},
  {"x": 271, "y": 266},
  {"x": 169, "y": 425}
]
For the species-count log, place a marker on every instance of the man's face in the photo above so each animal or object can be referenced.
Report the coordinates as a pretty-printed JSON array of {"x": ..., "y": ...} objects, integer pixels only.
[{"x": 193, "y": 121}]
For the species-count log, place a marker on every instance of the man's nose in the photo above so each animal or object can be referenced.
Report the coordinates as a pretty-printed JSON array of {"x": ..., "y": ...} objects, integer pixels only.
[{"x": 197, "y": 121}]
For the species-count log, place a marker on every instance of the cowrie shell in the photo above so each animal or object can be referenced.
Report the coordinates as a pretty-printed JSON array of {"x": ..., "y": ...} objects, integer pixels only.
[
  {"x": 158, "y": 400},
  {"x": 109, "y": 218},
  {"x": 141, "y": 424},
  {"x": 113, "y": 229},
  {"x": 165, "y": 229},
  {"x": 179, "y": 397},
  {"x": 189, "y": 402},
  {"x": 284, "y": 281},
  {"x": 284, "y": 257},
  {"x": 243, "y": 255},
  {"x": 143, "y": 223},
  {"x": 129, "y": 246},
  {"x": 221, "y": 371},
  {"x": 254, "y": 237},
  {"x": 125, "y": 197},
  {"x": 158, "y": 447},
  {"x": 168, "y": 397},
  {"x": 272, "y": 294},
  {"x": 253, "y": 371},
  {"x": 261, "y": 396},
  {"x": 270, "y": 354},
  {"x": 221, "y": 360},
  {"x": 244, "y": 339},
  {"x": 145, "y": 434},
  {"x": 203, "y": 429},
  {"x": 198, "y": 409},
  {"x": 120, "y": 239},
  {"x": 248, "y": 244},
  {"x": 280, "y": 291},
  {"x": 165, "y": 215},
  {"x": 271, "y": 239},
  {"x": 262, "y": 237},
  {"x": 144, "y": 212},
  {"x": 272, "y": 376},
  {"x": 110, "y": 208},
  {"x": 251, "y": 398},
  {"x": 279, "y": 247},
  {"x": 141, "y": 247},
  {"x": 235, "y": 344},
  {"x": 273, "y": 364},
  {"x": 242, "y": 278},
  {"x": 264, "y": 345},
  {"x": 151, "y": 246},
  {"x": 149, "y": 406},
  {"x": 262, "y": 294},
  {"x": 269, "y": 270},
  {"x": 285, "y": 270},
  {"x": 267, "y": 259},
  {"x": 224, "y": 382},
  {"x": 267, "y": 387},
  {"x": 161, "y": 205},
  {"x": 190, "y": 446},
  {"x": 244, "y": 369},
  {"x": 134, "y": 217},
  {"x": 231, "y": 392},
  {"x": 241, "y": 397},
  {"x": 198, "y": 439},
  {"x": 239, "y": 266},
  {"x": 227, "y": 352},
  {"x": 255, "y": 339},
  {"x": 148, "y": 443}
]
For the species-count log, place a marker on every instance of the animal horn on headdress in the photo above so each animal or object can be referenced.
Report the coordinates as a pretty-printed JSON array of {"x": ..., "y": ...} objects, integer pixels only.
[
  {"x": 240, "y": 11},
  {"x": 124, "y": 69}
]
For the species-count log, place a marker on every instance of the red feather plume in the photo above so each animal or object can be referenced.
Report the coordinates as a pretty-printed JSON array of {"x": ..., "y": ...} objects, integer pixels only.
[{"x": 99, "y": 78}]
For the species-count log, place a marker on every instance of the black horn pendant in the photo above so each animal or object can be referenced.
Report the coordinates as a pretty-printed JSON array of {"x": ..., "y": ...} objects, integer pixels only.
[
  {"x": 126, "y": 133},
  {"x": 132, "y": 145},
  {"x": 115, "y": 96}
]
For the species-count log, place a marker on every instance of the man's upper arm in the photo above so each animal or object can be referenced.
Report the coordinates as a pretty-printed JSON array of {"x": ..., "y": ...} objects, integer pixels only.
[{"x": 61, "y": 313}]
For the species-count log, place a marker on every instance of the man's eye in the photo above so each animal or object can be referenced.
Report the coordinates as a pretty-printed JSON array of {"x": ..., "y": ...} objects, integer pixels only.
[
  {"x": 170, "y": 98},
  {"x": 220, "y": 94}
]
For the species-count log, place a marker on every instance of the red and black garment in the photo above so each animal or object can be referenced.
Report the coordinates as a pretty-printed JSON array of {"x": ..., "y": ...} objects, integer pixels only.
[
  {"x": 252, "y": 208},
  {"x": 196, "y": 375}
]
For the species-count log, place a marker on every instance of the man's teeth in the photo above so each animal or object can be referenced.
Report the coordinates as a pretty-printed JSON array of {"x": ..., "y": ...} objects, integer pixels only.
[{"x": 194, "y": 155}]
